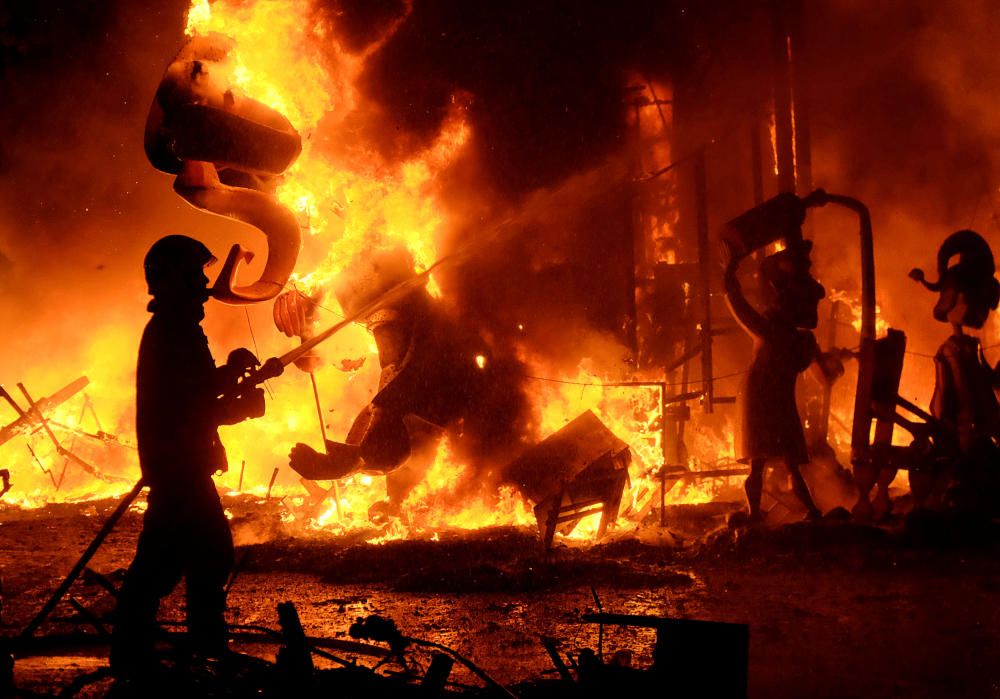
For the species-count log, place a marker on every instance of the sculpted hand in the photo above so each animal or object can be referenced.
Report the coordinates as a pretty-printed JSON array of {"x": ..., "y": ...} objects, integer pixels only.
[
  {"x": 302, "y": 454},
  {"x": 311, "y": 464}
]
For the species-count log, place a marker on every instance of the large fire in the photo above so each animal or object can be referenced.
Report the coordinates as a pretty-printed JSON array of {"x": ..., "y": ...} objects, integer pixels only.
[{"x": 349, "y": 200}]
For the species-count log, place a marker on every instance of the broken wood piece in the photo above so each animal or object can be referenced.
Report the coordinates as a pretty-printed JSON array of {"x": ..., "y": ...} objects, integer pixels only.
[
  {"x": 577, "y": 471},
  {"x": 560, "y": 665},
  {"x": 32, "y": 417},
  {"x": 274, "y": 476},
  {"x": 316, "y": 493},
  {"x": 294, "y": 659}
]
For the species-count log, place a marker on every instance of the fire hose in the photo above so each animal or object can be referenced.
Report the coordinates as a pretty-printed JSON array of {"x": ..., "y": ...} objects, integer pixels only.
[{"x": 273, "y": 367}]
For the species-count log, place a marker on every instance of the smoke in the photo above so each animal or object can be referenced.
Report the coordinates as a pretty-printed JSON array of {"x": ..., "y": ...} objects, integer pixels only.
[
  {"x": 904, "y": 99},
  {"x": 79, "y": 206},
  {"x": 541, "y": 86},
  {"x": 545, "y": 81}
]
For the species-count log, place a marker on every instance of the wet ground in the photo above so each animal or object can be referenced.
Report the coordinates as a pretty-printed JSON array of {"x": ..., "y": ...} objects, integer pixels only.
[{"x": 835, "y": 609}]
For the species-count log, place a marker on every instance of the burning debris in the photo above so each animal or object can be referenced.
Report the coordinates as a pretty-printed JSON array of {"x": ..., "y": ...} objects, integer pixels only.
[
  {"x": 34, "y": 419},
  {"x": 435, "y": 379},
  {"x": 579, "y": 471},
  {"x": 685, "y": 651}
]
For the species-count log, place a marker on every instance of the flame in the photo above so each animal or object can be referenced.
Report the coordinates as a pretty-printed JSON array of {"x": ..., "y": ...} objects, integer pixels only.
[
  {"x": 362, "y": 203},
  {"x": 853, "y": 304},
  {"x": 351, "y": 200}
]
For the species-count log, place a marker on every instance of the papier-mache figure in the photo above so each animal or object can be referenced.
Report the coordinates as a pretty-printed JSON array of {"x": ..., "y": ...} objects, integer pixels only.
[
  {"x": 437, "y": 379},
  {"x": 784, "y": 345},
  {"x": 964, "y": 402}
]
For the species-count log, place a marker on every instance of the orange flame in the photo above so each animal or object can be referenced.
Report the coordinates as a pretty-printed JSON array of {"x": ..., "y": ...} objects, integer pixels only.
[{"x": 351, "y": 203}]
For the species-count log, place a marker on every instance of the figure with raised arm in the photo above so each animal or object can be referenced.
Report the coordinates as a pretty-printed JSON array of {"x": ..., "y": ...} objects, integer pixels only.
[{"x": 784, "y": 347}]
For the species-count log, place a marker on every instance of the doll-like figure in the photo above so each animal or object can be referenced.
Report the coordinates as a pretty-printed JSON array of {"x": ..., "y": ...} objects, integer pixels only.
[
  {"x": 964, "y": 402},
  {"x": 784, "y": 347}
]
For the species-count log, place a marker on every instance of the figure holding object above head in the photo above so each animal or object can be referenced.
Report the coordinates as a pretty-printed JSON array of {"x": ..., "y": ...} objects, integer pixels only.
[{"x": 784, "y": 347}]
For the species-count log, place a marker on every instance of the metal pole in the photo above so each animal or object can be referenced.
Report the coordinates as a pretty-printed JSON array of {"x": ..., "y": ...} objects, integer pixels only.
[
  {"x": 322, "y": 430},
  {"x": 756, "y": 162},
  {"x": 798, "y": 65},
  {"x": 664, "y": 451},
  {"x": 831, "y": 344},
  {"x": 705, "y": 268},
  {"x": 783, "y": 127}
]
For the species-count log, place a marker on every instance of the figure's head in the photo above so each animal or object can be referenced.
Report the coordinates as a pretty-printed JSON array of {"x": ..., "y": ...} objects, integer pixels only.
[
  {"x": 371, "y": 275},
  {"x": 790, "y": 289},
  {"x": 968, "y": 289},
  {"x": 175, "y": 270}
]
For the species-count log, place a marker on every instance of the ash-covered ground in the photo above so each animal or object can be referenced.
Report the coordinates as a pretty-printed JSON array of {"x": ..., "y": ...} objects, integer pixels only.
[{"x": 834, "y": 608}]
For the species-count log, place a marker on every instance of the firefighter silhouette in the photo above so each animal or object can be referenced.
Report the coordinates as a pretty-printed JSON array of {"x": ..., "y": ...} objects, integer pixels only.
[{"x": 181, "y": 400}]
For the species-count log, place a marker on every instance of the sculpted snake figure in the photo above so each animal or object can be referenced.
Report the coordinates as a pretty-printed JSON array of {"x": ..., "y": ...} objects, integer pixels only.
[{"x": 227, "y": 151}]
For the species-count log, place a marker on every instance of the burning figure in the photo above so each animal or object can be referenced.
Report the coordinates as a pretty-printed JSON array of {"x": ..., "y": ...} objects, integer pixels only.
[
  {"x": 181, "y": 400},
  {"x": 784, "y": 347},
  {"x": 964, "y": 401},
  {"x": 436, "y": 377},
  {"x": 228, "y": 152}
]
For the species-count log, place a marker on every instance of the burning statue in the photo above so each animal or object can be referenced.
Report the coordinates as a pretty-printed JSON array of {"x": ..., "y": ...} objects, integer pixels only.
[
  {"x": 228, "y": 152},
  {"x": 784, "y": 344},
  {"x": 964, "y": 403},
  {"x": 437, "y": 377}
]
